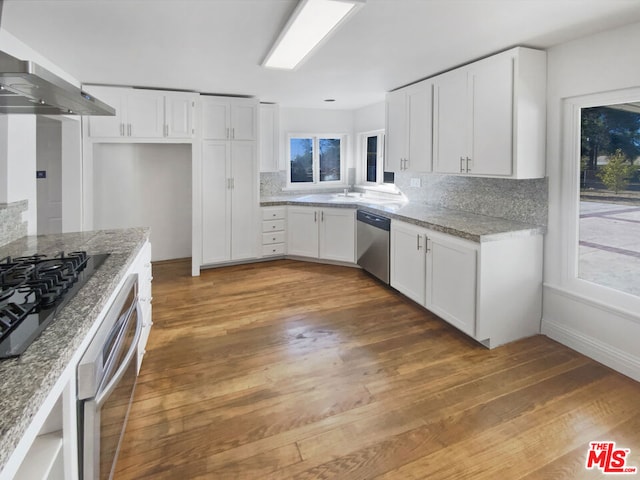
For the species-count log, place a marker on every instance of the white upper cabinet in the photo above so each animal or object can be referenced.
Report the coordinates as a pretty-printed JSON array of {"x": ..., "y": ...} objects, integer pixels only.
[
  {"x": 269, "y": 137},
  {"x": 409, "y": 128},
  {"x": 489, "y": 116},
  {"x": 143, "y": 114},
  {"x": 226, "y": 118},
  {"x": 179, "y": 111}
]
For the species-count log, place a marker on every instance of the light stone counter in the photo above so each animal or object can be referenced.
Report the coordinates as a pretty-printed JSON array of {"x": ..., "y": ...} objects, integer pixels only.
[
  {"x": 27, "y": 380},
  {"x": 470, "y": 226}
]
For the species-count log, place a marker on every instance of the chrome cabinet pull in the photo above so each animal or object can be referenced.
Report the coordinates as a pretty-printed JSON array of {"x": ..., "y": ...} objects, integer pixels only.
[
  {"x": 418, "y": 240},
  {"x": 233, "y": 133},
  {"x": 461, "y": 164},
  {"x": 322, "y": 216},
  {"x": 315, "y": 217},
  {"x": 468, "y": 168},
  {"x": 227, "y": 133},
  {"x": 428, "y": 249}
]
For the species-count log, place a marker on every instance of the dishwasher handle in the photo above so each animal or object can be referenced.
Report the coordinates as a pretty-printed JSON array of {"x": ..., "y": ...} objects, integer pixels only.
[{"x": 374, "y": 220}]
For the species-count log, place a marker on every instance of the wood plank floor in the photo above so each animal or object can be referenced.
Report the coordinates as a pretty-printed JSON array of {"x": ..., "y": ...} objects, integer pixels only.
[{"x": 297, "y": 370}]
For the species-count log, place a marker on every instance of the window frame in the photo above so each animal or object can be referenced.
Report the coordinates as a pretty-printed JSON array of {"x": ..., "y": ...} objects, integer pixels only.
[
  {"x": 316, "y": 183},
  {"x": 570, "y": 204},
  {"x": 362, "y": 155}
]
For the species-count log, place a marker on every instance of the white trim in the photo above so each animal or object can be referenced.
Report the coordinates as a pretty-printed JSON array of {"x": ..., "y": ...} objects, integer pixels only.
[
  {"x": 362, "y": 157},
  {"x": 595, "y": 294},
  {"x": 610, "y": 356}
]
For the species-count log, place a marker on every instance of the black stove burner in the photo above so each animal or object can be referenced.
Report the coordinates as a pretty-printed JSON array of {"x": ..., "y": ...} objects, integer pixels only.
[{"x": 33, "y": 289}]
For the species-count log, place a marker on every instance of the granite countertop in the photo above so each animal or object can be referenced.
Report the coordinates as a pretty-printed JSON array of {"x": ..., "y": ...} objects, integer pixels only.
[
  {"x": 27, "y": 380},
  {"x": 470, "y": 226}
]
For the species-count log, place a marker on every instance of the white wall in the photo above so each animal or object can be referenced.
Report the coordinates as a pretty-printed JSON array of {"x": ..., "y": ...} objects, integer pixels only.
[
  {"x": 598, "y": 63},
  {"x": 138, "y": 185},
  {"x": 369, "y": 118},
  {"x": 18, "y": 164}
]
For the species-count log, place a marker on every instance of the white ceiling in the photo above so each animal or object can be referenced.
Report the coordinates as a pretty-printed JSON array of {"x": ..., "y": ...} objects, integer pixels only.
[{"x": 216, "y": 46}]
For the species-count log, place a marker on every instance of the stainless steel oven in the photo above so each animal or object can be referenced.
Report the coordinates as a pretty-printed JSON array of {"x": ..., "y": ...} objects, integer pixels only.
[{"x": 106, "y": 382}]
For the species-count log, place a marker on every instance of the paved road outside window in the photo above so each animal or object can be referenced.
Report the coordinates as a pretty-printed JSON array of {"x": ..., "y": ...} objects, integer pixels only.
[{"x": 609, "y": 252}]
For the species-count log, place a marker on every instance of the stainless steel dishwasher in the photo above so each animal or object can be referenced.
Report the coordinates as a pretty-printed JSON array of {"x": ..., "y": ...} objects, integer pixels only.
[{"x": 373, "y": 244}]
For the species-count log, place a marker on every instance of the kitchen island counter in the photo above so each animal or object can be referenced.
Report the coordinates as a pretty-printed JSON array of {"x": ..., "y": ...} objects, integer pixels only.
[{"x": 29, "y": 379}]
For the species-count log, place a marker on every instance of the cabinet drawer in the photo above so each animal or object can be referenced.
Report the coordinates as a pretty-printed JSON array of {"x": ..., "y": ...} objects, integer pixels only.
[
  {"x": 276, "y": 249},
  {"x": 271, "y": 238},
  {"x": 272, "y": 225},
  {"x": 273, "y": 213}
]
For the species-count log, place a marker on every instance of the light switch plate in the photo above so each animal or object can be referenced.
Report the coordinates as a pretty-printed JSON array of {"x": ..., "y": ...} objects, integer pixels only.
[{"x": 415, "y": 182}]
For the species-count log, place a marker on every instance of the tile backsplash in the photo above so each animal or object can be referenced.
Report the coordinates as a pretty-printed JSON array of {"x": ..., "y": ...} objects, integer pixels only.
[
  {"x": 520, "y": 200},
  {"x": 11, "y": 225}
]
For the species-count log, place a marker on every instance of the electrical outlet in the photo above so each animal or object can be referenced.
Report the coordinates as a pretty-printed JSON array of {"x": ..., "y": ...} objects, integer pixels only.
[{"x": 415, "y": 182}]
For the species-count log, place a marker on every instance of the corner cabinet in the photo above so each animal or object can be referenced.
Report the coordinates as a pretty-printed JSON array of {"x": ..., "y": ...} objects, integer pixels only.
[
  {"x": 143, "y": 114},
  {"x": 492, "y": 291},
  {"x": 229, "y": 180},
  {"x": 489, "y": 116},
  {"x": 323, "y": 233},
  {"x": 409, "y": 128}
]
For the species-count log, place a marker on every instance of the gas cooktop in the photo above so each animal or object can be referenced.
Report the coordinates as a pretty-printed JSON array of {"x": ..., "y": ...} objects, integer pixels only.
[{"x": 33, "y": 289}]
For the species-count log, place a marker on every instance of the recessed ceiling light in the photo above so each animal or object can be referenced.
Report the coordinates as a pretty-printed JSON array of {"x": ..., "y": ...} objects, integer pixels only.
[{"x": 311, "y": 22}]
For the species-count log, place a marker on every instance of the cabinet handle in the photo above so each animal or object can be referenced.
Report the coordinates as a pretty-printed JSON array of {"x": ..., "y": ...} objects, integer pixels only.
[
  {"x": 418, "y": 240},
  {"x": 322, "y": 216},
  {"x": 468, "y": 160},
  {"x": 462, "y": 168},
  {"x": 233, "y": 134},
  {"x": 428, "y": 249},
  {"x": 129, "y": 129},
  {"x": 315, "y": 217},
  {"x": 227, "y": 133},
  {"x": 122, "y": 129}
]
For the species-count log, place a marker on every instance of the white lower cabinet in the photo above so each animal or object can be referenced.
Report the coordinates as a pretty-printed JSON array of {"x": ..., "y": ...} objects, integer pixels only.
[
  {"x": 324, "y": 233},
  {"x": 451, "y": 280},
  {"x": 143, "y": 269},
  {"x": 492, "y": 291},
  {"x": 408, "y": 267},
  {"x": 274, "y": 235}
]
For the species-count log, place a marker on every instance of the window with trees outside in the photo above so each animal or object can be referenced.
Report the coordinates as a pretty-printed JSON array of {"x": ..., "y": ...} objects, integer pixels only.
[
  {"x": 609, "y": 202},
  {"x": 316, "y": 159}
]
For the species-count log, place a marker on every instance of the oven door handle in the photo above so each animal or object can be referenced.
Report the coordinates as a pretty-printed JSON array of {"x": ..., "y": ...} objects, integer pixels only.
[{"x": 103, "y": 395}]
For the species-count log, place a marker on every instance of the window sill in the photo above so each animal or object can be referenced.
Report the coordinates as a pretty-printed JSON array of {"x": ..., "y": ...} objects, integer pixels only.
[{"x": 314, "y": 186}]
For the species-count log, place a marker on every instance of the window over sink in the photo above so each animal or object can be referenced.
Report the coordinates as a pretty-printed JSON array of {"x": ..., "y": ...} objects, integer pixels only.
[{"x": 316, "y": 159}]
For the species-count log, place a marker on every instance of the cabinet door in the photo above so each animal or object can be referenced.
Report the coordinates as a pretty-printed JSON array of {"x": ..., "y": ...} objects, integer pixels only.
[
  {"x": 451, "y": 281},
  {"x": 103, "y": 126},
  {"x": 179, "y": 115},
  {"x": 269, "y": 137},
  {"x": 419, "y": 126},
  {"x": 244, "y": 120},
  {"x": 302, "y": 231},
  {"x": 338, "y": 234},
  {"x": 492, "y": 129},
  {"x": 451, "y": 122},
  {"x": 216, "y": 207},
  {"x": 408, "y": 269},
  {"x": 145, "y": 114},
  {"x": 216, "y": 119},
  {"x": 244, "y": 203},
  {"x": 396, "y": 131}
]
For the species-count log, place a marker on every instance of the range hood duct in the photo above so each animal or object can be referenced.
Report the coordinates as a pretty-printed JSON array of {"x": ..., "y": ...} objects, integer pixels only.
[{"x": 26, "y": 87}]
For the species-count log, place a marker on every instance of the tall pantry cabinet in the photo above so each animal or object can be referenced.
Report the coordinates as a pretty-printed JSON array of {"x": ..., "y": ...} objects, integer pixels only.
[{"x": 230, "y": 182}]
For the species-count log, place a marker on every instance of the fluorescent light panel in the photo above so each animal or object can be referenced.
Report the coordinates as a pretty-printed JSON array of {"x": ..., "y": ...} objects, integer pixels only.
[{"x": 311, "y": 22}]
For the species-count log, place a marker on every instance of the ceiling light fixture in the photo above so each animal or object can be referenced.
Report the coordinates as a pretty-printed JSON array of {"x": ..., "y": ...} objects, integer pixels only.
[{"x": 310, "y": 24}]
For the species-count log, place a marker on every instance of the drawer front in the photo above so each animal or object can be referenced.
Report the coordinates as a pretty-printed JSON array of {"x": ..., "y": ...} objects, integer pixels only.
[
  {"x": 271, "y": 238},
  {"x": 276, "y": 249},
  {"x": 273, "y": 226},
  {"x": 273, "y": 213}
]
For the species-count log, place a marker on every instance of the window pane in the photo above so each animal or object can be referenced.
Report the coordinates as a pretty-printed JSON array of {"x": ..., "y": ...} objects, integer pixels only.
[
  {"x": 372, "y": 158},
  {"x": 329, "y": 159},
  {"x": 609, "y": 250},
  {"x": 301, "y": 160}
]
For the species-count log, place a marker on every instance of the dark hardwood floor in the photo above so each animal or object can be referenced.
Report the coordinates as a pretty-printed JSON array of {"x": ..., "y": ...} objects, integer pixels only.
[{"x": 298, "y": 370}]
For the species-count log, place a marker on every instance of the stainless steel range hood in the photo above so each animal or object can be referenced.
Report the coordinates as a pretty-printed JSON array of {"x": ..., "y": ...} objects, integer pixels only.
[{"x": 26, "y": 87}]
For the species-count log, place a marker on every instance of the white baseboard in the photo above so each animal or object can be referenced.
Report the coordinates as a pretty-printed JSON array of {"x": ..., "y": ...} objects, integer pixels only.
[{"x": 591, "y": 347}]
